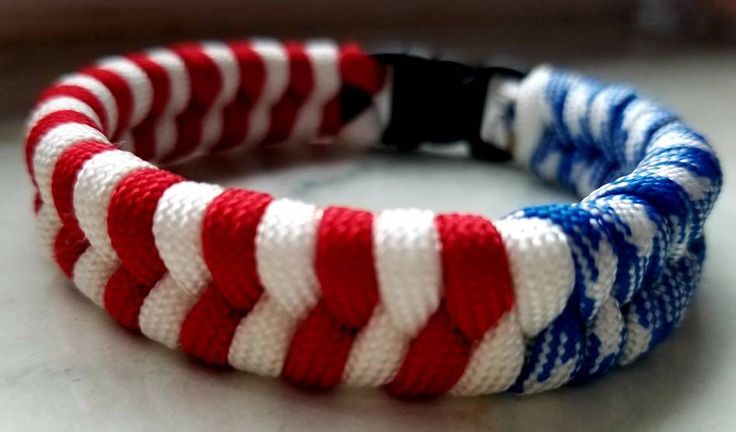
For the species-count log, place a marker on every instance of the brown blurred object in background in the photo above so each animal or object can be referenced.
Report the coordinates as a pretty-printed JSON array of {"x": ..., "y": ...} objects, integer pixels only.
[{"x": 33, "y": 31}]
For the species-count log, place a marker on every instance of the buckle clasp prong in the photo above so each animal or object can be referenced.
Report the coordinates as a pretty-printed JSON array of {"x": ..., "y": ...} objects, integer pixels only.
[{"x": 440, "y": 101}]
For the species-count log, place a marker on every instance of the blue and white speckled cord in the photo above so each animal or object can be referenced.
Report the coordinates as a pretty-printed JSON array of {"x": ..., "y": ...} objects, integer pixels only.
[{"x": 637, "y": 240}]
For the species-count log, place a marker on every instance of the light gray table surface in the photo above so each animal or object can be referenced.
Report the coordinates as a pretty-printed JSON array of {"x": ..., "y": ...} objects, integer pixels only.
[{"x": 64, "y": 365}]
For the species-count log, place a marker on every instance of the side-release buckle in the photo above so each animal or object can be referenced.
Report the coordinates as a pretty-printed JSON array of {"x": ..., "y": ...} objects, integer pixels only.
[{"x": 440, "y": 101}]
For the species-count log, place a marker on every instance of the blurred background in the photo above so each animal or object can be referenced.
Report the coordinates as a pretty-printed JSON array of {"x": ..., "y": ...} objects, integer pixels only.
[
  {"x": 39, "y": 39},
  {"x": 65, "y": 366}
]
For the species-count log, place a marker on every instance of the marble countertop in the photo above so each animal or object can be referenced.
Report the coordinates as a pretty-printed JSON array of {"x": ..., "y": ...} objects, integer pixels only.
[{"x": 64, "y": 365}]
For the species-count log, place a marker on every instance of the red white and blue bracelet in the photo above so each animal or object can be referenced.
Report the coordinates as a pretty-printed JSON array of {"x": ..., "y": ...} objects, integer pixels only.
[{"x": 417, "y": 302}]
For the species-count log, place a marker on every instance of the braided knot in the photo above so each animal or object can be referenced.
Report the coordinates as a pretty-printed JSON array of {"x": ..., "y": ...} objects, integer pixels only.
[{"x": 418, "y": 302}]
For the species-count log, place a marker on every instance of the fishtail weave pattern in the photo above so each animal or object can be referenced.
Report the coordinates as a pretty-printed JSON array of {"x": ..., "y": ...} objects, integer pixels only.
[{"x": 420, "y": 303}]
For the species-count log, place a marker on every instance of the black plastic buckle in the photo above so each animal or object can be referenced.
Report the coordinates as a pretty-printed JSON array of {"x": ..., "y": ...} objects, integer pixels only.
[{"x": 439, "y": 101}]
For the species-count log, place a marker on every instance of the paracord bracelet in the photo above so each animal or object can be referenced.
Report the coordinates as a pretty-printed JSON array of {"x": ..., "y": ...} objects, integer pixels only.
[{"x": 420, "y": 303}]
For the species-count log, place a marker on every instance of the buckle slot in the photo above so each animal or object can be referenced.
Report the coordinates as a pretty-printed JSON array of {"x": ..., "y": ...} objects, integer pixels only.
[{"x": 439, "y": 101}]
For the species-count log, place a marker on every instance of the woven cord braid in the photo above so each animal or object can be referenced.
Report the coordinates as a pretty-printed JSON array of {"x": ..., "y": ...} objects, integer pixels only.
[
  {"x": 583, "y": 134},
  {"x": 420, "y": 303}
]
